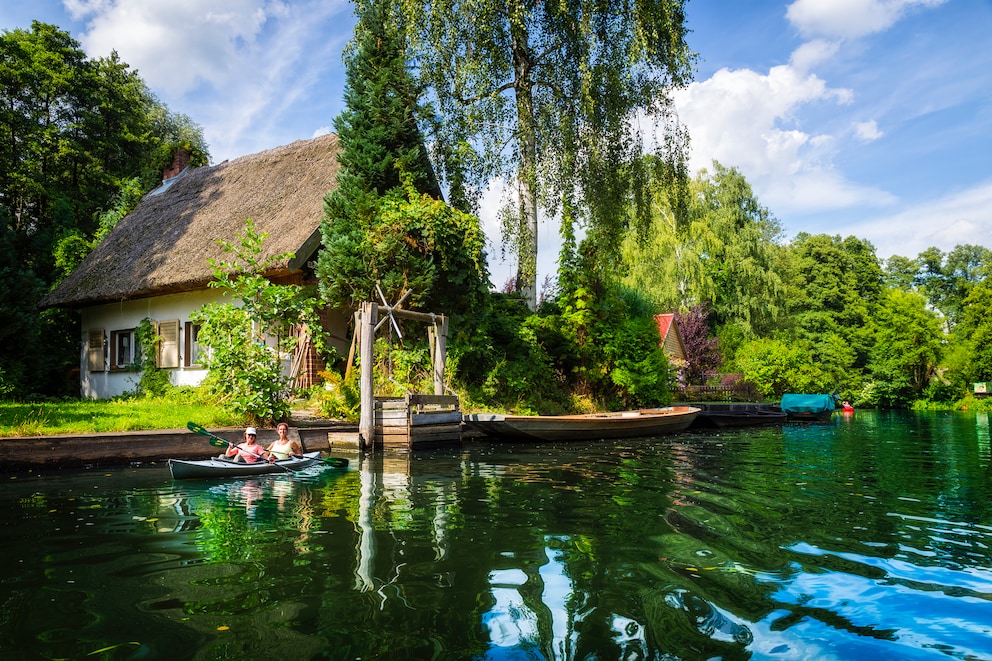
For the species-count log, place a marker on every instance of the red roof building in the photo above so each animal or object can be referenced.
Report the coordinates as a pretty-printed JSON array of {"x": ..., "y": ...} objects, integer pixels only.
[{"x": 671, "y": 339}]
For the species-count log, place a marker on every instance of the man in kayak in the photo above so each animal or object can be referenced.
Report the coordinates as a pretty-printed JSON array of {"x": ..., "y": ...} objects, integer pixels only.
[
  {"x": 284, "y": 447},
  {"x": 249, "y": 451}
]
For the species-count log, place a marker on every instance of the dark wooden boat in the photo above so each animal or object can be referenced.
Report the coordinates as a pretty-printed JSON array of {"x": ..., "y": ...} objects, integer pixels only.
[
  {"x": 743, "y": 418},
  {"x": 589, "y": 426},
  {"x": 185, "y": 469},
  {"x": 810, "y": 408}
]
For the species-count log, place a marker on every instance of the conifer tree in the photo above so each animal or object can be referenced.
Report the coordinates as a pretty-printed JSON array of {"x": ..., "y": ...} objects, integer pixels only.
[{"x": 384, "y": 223}]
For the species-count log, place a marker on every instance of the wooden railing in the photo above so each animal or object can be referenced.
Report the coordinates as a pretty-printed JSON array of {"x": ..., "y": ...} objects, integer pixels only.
[{"x": 739, "y": 391}]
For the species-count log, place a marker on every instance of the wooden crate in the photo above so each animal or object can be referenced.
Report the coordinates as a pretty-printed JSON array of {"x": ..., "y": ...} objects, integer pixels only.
[{"x": 417, "y": 421}]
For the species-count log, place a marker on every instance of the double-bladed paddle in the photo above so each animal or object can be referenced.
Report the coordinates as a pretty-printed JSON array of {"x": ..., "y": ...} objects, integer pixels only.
[{"x": 218, "y": 442}]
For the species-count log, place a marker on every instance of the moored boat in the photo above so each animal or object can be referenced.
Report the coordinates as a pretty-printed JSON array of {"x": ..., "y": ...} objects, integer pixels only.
[
  {"x": 739, "y": 418},
  {"x": 184, "y": 469},
  {"x": 808, "y": 407},
  {"x": 587, "y": 426}
]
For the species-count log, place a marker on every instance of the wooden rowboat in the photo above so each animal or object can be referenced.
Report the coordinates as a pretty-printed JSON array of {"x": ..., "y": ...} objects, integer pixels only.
[
  {"x": 589, "y": 426},
  {"x": 185, "y": 469}
]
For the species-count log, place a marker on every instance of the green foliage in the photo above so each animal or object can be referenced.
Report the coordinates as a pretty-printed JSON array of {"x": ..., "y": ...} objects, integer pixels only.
[
  {"x": 720, "y": 250},
  {"x": 835, "y": 288},
  {"x": 384, "y": 225},
  {"x": 336, "y": 397},
  {"x": 947, "y": 279},
  {"x": 500, "y": 363},
  {"x": 378, "y": 130},
  {"x": 975, "y": 331},
  {"x": 154, "y": 382},
  {"x": 596, "y": 342},
  {"x": 541, "y": 94},
  {"x": 413, "y": 243},
  {"x": 958, "y": 403},
  {"x": 775, "y": 368},
  {"x": 246, "y": 372},
  {"x": 908, "y": 345},
  {"x": 73, "y": 246},
  {"x": 639, "y": 367},
  {"x": 74, "y": 132}
]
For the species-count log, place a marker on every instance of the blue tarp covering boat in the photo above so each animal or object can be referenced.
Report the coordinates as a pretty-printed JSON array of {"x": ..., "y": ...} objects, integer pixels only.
[{"x": 808, "y": 407}]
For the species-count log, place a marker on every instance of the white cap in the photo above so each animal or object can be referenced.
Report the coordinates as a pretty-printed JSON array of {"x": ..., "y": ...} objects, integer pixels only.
[{"x": 251, "y": 431}]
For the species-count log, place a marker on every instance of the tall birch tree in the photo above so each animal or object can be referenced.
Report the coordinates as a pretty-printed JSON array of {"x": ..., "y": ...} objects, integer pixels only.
[{"x": 557, "y": 99}]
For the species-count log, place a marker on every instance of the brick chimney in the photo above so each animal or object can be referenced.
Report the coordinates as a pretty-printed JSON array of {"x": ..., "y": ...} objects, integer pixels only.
[{"x": 180, "y": 159}]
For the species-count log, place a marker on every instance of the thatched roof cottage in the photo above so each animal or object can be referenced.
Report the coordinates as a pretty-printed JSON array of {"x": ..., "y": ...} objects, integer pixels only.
[{"x": 154, "y": 263}]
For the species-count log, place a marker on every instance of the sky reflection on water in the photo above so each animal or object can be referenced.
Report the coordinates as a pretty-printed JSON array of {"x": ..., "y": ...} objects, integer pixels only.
[{"x": 868, "y": 537}]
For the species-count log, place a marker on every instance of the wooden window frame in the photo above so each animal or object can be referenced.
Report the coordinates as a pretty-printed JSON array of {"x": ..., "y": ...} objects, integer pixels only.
[
  {"x": 191, "y": 346},
  {"x": 115, "y": 337}
]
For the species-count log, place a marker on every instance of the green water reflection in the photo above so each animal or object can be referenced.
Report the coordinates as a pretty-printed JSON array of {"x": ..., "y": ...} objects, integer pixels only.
[{"x": 868, "y": 537}]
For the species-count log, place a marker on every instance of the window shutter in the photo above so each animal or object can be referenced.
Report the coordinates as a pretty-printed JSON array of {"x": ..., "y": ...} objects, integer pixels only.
[
  {"x": 95, "y": 356},
  {"x": 168, "y": 347}
]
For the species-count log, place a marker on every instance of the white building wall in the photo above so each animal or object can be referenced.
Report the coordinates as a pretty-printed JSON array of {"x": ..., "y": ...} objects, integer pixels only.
[{"x": 127, "y": 315}]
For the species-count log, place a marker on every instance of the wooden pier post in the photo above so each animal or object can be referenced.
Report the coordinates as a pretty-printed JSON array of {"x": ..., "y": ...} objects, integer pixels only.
[{"x": 366, "y": 421}]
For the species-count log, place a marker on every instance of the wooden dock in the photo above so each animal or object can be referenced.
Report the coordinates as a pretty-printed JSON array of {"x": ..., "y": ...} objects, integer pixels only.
[{"x": 416, "y": 422}]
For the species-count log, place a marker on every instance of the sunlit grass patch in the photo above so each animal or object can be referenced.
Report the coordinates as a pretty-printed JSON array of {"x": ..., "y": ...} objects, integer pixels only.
[{"x": 124, "y": 414}]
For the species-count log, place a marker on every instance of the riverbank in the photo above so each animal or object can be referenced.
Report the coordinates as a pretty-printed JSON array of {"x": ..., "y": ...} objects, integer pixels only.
[{"x": 137, "y": 447}]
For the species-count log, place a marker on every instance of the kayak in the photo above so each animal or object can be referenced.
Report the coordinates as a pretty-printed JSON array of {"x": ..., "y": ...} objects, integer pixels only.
[{"x": 184, "y": 469}]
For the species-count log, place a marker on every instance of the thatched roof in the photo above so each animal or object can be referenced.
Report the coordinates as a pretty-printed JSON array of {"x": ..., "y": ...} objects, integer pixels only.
[{"x": 162, "y": 247}]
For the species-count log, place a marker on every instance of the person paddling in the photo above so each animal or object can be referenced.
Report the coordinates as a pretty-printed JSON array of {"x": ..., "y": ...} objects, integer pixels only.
[
  {"x": 284, "y": 447},
  {"x": 249, "y": 451}
]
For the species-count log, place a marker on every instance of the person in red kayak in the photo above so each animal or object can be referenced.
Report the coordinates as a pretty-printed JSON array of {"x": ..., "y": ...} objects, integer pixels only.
[{"x": 846, "y": 407}]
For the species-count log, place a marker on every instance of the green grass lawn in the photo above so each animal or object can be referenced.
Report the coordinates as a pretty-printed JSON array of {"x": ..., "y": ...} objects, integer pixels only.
[{"x": 92, "y": 417}]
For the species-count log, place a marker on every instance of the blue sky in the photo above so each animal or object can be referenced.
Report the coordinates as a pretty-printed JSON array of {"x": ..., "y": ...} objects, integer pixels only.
[{"x": 870, "y": 118}]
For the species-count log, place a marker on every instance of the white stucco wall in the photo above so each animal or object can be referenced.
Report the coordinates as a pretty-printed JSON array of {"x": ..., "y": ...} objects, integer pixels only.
[{"x": 128, "y": 314}]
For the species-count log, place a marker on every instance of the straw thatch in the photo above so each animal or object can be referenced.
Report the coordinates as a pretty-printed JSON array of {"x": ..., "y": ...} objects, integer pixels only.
[{"x": 162, "y": 247}]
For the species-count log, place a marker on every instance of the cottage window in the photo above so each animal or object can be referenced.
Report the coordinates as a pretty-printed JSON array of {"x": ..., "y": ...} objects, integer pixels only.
[
  {"x": 168, "y": 344},
  {"x": 122, "y": 349},
  {"x": 96, "y": 350},
  {"x": 191, "y": 357}
]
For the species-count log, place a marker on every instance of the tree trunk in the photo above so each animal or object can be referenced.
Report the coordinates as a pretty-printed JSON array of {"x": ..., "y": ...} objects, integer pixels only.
[{"x": 527, "y": 176}]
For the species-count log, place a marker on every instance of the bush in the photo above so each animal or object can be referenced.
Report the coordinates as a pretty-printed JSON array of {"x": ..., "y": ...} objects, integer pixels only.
[{"x": 336, "y": 398}]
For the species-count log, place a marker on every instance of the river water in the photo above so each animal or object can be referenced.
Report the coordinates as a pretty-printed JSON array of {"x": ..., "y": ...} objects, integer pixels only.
[{"x": 869, "y": 537}]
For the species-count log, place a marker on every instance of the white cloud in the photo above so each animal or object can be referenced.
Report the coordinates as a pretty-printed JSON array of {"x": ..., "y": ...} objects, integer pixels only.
[
  {"x": 748, "y": 120},
  {"x": 177, "y": 46},
  {"x": 867, "y": 131},
  {"x": 850, "y": 19},
  {"x": 813, "y": 53},
  {"x": 815, "y": 190},
  {"x": 958, "y": 218},
  {"x": 761, "y": 122},
  {"x": 236, "y": 66}
]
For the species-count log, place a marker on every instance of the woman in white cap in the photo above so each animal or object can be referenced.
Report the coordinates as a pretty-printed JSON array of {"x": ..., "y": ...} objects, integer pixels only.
[{"x": 249, "y": 451}]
